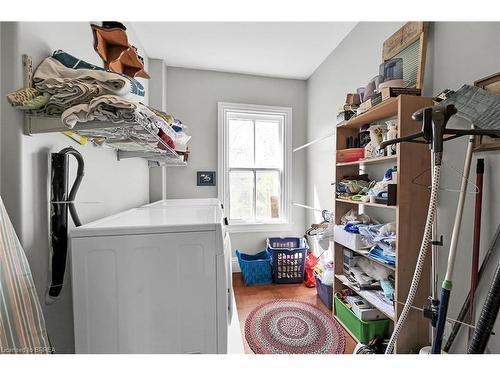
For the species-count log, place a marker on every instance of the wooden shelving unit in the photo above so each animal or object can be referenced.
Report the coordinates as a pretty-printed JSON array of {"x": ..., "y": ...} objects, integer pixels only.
[{"x": 409, "y": 213}]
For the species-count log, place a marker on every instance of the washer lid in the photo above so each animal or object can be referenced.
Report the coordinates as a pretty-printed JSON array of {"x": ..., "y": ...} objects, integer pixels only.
[{"x": 154, "y": 220}]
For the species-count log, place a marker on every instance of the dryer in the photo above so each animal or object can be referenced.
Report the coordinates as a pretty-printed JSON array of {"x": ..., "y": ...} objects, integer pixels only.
[{"x": 154, "y": 279}]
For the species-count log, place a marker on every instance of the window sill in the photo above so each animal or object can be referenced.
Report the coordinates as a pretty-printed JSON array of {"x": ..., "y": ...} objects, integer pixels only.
[{"x": 259, "y": 227}]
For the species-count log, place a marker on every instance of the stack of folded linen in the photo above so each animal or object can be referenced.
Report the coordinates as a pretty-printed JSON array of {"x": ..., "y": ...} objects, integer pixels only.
[
  {"x": 117, "y": 110},
  {"x": 382, "y": 238},
  {"x": 81, "y": 92},
  {"x": 62, "y": 81}
]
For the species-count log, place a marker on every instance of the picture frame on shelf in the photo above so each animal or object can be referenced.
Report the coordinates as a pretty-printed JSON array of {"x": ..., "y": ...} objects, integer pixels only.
[
  {"x": 489, "y": 83},
  {"x": 409, "y": 44}
]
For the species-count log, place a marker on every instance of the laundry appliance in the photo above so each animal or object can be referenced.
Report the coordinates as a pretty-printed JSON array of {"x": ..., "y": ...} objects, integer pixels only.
[{"x": 153, "y": 279}]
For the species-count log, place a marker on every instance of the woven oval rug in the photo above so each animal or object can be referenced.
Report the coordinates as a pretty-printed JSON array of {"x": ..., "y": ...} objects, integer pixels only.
[{"x": 293, "y": 327}]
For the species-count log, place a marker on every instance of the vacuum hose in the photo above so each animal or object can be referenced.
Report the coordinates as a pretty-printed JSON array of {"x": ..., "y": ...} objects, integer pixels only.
[
  {"x": 427, "y": 238},
  {"x": 76, "y": 184},
  {"x": 60, "y": 203},
  {"x": 487, "y": 318}
]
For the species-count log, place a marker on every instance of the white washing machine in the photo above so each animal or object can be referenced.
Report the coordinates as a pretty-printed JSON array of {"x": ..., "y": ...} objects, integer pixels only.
[{"x": 154, "y": 279}]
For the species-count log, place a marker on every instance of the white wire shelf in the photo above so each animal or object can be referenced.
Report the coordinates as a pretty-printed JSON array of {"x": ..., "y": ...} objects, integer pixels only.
[{"x": 131, "y": 140}]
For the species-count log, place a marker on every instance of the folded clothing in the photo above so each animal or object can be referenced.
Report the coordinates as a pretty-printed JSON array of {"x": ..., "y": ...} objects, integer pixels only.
[
  {"x": 111, "y": 108},
  {"x": 68, "y": 95},
  {"x": 378, "y": 254},
  {"x": 52, "y": 76},
  {"x": 381, "y": 235},
  {"x": 20, "y": 97},
  {"x": 72, "y": 62},
  {"x": 28, "y": 98}
]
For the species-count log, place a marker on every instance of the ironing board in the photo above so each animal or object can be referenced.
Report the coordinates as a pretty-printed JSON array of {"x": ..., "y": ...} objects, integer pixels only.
[{"x": 22, "y": 325}]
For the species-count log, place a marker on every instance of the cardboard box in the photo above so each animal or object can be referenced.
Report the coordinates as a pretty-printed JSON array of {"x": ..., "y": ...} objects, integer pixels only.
[
  {"x": 362, "y": 309},
  {"x": 391, "y": 92}
]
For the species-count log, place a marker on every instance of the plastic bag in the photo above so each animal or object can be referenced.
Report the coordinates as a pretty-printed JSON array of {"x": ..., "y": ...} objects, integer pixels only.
[{"x": 311, "y": 262}]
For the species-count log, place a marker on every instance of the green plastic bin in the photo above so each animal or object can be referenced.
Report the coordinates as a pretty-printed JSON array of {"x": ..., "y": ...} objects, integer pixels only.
[{"x": 364, "y": 331}]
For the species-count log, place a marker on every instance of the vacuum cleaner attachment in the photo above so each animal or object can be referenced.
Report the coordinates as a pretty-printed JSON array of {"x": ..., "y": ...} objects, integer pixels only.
[
  {"x": 465, "y": 307},
  {"x": 487, "y": 318},
  {"x": 59, "y": 205}
]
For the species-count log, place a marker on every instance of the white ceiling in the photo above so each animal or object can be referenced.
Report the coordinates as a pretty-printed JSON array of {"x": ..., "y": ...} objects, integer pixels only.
[{"x": 276, "y": 49}]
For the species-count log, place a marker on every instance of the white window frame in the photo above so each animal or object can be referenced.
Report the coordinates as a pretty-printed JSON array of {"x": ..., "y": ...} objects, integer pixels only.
[{"x": 285, "y": 222}]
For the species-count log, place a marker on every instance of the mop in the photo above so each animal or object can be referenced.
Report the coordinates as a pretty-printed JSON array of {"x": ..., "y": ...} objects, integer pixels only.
[{"x": 483, "y": 110}]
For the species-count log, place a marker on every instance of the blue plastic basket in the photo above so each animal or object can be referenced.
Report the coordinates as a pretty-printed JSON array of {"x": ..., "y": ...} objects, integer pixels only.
[
  {"x": 255, "y": 268},
  {"x": 325, "y": 293},
  {"x": 288, "y": 258}
]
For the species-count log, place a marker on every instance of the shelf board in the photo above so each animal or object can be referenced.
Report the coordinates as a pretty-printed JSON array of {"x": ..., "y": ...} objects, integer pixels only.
[
  {"x": 371, "y": 296},
  {"x": 129, "y": 139},
  {"x": 380, "y": 159},
  {"x": 367, "y": 257},
  {"x": 348, "y": 201},
  {"x": 385, "y": 109}
]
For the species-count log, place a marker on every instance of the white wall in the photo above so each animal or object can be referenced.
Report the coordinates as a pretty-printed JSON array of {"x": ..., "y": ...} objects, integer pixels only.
[
  {"x": 25, "y": 169},
  {"x": 192, "y": 96},
  {"x": 458, "y": 53}
]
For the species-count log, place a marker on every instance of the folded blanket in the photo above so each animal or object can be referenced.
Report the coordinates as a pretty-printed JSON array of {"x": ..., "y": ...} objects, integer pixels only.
[
  {"x": 52, "y": 76},
  {"x": 28, "y": 99},
  {"x": 68, "y": 95},
  {"x": 72, "y": 62},
  {"x": 109, "y": 108},
  {"x": 19, "y": 97}
]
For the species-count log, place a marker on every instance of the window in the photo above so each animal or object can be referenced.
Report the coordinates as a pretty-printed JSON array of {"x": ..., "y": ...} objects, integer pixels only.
[{"x": 255, "y": 165}]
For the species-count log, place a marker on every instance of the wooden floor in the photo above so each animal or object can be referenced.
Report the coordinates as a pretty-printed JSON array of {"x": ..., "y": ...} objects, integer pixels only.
[{"x": 247, "y": 298}]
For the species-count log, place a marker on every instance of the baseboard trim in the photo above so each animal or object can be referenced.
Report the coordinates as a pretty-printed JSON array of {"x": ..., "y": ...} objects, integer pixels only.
[{"x": 235, "y": 265}]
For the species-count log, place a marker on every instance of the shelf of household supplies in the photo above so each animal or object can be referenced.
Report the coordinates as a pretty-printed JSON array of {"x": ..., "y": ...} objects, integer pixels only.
[
  {"x": 380, "y": 159},
  {"x": 359, "y": 203},
  {"x": 365, "y": 254},
  {"x": 385, "y": 109},
  {"x": 373, "y": 297},
  {"x": 129, "y": 139}
]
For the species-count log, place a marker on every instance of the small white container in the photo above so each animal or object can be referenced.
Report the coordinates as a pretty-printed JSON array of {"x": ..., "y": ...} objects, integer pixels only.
[{"x": 350, "y": 240}]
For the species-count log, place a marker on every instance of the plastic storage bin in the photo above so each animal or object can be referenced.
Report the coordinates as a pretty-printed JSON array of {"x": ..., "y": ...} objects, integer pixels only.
[
  {"x": 255, "y": 268},
  {"x": 288, "y": 259},
  {"x": 350, "y": 240},
  {"x": 350, "y": 154},
  {"x": 325, "y": 293},
  {"x": 364, "y": 331}
]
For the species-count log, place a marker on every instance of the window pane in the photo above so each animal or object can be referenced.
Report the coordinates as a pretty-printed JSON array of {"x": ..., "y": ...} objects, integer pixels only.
[
  {"x": 268, "y": 195},
  {"x": 241, "y": 194},
  {"x": 268, "y": 150},
  {"x": 241, "y": 143}
]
